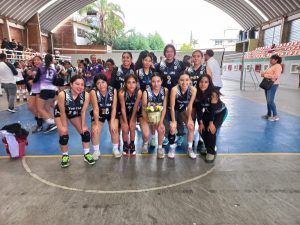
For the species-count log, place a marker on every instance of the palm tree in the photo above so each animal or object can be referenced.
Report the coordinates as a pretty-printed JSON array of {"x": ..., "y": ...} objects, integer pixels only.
[{"x": 110, "y": 19}]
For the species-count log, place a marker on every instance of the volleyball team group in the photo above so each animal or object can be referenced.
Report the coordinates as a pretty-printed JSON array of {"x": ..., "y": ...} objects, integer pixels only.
[{"x": 186, "y": 96}]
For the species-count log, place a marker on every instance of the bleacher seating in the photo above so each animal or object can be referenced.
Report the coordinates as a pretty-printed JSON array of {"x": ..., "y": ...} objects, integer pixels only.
[
  {"x": 283, "y": 49},
  {"x": 13, "y": 55}
]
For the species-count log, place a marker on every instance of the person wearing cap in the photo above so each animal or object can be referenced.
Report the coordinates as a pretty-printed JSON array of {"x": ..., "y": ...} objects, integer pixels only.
[{"x": 213, "y": 64}]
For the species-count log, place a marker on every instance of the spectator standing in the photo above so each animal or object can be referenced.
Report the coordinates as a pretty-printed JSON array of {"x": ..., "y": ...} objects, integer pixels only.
[
  {"x": 20, "y": 49},
  {"x": 7, "y": 79},
  {"x": 213, "y": 64},
  {"x": 273, "y": 73}
]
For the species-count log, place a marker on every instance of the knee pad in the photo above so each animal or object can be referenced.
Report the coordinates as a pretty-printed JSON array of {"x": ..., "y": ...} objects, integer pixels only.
[
  {"x": 63, "y": 140},
  {"x": 171, "y": 138},
  {"x": 85, "y": 136}
]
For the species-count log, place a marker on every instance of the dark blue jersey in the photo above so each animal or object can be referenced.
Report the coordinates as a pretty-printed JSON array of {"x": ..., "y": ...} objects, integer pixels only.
[
  {"x": 105, "y": 102},
  {"x": 73, "y": 107},
  {"x": 118, "y": 77},
  {"x": 130, "y": 101},
  {"x": 155, "y": 99},
  {"x": 195, "y": 74},
  {"x": 144, "y": 79},
  {"x": 170, "y": 72},
  {"x": 182, "y": 99}
]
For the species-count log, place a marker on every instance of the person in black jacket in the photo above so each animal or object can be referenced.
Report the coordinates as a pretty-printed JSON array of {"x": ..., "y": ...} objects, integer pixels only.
[{"x": 211, "y": 113}]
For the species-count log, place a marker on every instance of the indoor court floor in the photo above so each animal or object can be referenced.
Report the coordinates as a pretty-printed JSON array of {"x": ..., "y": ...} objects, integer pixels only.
[{"x": 254, "y": 180}]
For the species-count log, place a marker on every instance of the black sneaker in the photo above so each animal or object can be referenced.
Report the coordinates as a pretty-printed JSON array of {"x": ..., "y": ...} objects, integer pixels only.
[
  {"x": 201, "y": 148},
  {"x": 125, "y": 149},
  {"x": 132, "y": 149},
  {"x": 89, "y": 159},
  {"x": 65, "y": 161},
  {"x": 50, "y": 128},
  {"x": 37, "y": 129}
]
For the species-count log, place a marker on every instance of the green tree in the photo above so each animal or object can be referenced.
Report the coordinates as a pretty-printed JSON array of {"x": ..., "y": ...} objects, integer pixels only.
[
  {"x": 155, "y": 42},
  {"x": 186, "y": 47},
  {"x": 136, "y": 41},
  {"x": 110, "y": 21}
]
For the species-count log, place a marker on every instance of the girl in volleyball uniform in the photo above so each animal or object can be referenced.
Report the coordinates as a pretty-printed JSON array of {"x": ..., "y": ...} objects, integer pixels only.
[
  {"x": 211, "y": 113},
  {"x": 181, "y": 102},
  {"x": 196, "y": 73},
  {"x": 119, "y": 74},
  {"x": 144, "y": 78},
  {"x": 199, "y": 68},
  {"x": 182, "y": 99},
  {"x": 45, "y": 75},
  {"x": 144, "y": 70},
  {"x": 129, "y": 97},
  {"x": 104, "y": 102},
  {"x": 71, "y": 105},
  {"x": 37, "y": 61},
  {"x": 155, "y": 95}
]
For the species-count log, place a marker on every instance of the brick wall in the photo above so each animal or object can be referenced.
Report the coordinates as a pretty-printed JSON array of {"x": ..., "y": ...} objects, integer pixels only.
[
  {"x": 63, "y": 37},
  {"x": 17, "y": 34},
  {"x": 34, "y": 35},
  {"x": 1, "y": 32},
  {"x": 45, "y": 43}
]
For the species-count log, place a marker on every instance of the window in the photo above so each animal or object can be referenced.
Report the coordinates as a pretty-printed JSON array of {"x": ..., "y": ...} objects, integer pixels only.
[
  {"x": 81, "y": 33},
  {"x": 272, "y": 35},
  {"x": 218, "y": 42},
  {"x": 294, "y": 34}
]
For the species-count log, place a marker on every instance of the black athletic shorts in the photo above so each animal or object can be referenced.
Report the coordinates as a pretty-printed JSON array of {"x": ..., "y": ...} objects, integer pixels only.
[{"x": 47, "y": 94}]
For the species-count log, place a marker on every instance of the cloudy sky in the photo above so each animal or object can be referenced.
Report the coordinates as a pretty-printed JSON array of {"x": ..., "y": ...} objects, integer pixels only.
[{"x": 174, "y": 20}]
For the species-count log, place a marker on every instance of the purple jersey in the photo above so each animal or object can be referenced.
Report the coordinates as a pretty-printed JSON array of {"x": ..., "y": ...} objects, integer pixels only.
[
  {"x": 35, "y": 87},
  {"x": 93, "y": 69},
  {"x": 46, "y": 78}
]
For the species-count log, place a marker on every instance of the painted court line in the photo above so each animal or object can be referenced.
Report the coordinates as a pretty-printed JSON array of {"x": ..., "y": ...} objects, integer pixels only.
[{"x": 42, "y": 180}]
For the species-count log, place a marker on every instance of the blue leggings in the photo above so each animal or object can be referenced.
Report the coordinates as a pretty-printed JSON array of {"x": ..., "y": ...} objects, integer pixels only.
[{"x": 270, "y": 96}]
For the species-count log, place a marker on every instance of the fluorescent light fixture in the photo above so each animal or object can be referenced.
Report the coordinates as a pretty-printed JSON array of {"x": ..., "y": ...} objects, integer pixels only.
[
  {"x": 257, "y": 10},
  {"x": 47, "y": 5}
]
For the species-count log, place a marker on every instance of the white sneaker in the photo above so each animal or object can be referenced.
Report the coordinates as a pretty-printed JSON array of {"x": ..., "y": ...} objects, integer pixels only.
[
  {"x": 191, "y": 153},
  {"x": 117, "y": 153},
  {"x": 160, "y": 153},
  {"x": 145, "y": 149},
  {"x": 11, "y": 110},
  {"x": 171, "y": 153},
  {"x": 96, "y": 155}
]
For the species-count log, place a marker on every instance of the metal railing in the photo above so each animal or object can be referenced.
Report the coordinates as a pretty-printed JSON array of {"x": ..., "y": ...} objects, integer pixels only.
[{"x": 14, "y": 55}]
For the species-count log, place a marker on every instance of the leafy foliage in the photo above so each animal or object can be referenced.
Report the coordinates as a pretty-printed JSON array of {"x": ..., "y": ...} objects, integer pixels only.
[
  {"x": 110, "y": 29},
  {"x": 186, "y": 47}
]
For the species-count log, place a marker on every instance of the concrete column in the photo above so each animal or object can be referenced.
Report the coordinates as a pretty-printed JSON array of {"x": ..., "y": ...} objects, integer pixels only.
[
  {"x": 33, "y": 30},
  {"x": 284, "y": 30},
  {"x": 260, "y": 37},
  {"x": 6, "y": 30}
]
